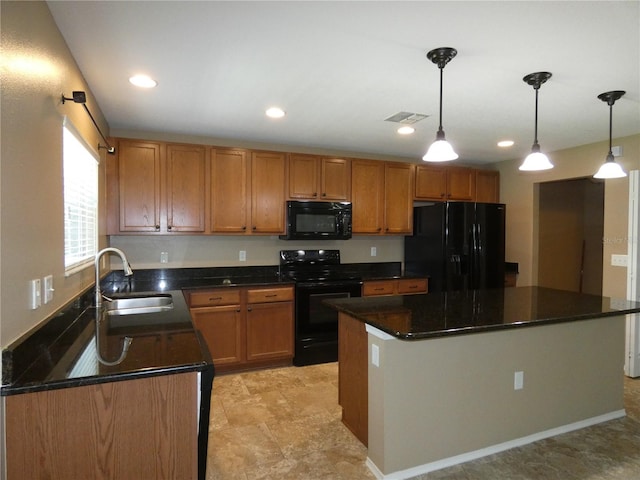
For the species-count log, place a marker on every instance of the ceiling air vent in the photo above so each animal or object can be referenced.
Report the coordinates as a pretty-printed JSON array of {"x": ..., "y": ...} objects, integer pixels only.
[{"x": 406, "y": 118}]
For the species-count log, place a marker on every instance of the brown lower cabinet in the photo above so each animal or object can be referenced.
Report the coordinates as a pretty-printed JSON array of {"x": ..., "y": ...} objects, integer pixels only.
[
  {"x": 245, "y": 328},
  {"x": 145, "y": 428},
  {"x": 353, "y": 376}
]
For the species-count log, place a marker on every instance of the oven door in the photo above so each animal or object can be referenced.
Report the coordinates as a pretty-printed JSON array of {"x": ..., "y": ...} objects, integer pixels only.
[{"x": 317, "y": 324}]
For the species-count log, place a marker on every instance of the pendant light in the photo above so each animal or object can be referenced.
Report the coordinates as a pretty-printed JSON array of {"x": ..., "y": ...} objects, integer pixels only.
[
  {"x": 441, "y": 150},
  {"x": 536, "y": 160},
  {"x": 610, "y": 169}
]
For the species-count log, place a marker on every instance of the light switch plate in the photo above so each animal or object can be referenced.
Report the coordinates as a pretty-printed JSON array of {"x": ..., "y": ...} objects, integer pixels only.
[
  {"x": 242, "y": 256},
  {"x": 47, "y": 289},
  {"x": 35, "y": 297}
]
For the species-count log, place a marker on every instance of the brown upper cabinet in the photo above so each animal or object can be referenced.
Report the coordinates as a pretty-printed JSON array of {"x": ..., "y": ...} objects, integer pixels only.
[
  {"x": 488, "y": 186},
  {"x": 247, "y": 191},
  {"x": 268, "y": 186},
  {"x": 382, "y": 197},
  {"x": 156, "y": 188},
  {"x": 230, "y": 199},
  {"x": 186, "y": 190},
  {"x": 319, "y": 178},
  {"x": 445, "y": 183}
]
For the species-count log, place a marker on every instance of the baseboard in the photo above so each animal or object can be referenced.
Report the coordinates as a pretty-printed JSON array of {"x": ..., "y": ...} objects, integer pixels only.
[{"x": 483, "y": 452}]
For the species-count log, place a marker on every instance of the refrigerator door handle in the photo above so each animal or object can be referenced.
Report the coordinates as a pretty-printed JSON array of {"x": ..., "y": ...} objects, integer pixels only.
[{"x": 477, "y": 252}]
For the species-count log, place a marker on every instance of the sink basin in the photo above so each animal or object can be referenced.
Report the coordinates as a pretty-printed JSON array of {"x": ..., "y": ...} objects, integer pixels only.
[{"x": 135, "y": 305}]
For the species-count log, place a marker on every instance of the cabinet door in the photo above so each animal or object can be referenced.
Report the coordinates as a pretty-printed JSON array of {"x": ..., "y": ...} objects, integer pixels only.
[
  {"x": 186, "y": 195},
  {"x": 335, "y": 179},
  {"x": 303, "y": 176},
  {"x": 430, "y": 183},
  {"x": 269, "y": 331},
  {"x": 398, "y": 204},
  {"x": 487, "y": 186},
  {"x": 367, "y": 194},
  {"x": 229, "y": 191},
  {"x": 139, "y": 186},
  {"x": 268, "y": 181},
  {"x": 461, "y": 184},
  {"x": 222, "y": 329}
]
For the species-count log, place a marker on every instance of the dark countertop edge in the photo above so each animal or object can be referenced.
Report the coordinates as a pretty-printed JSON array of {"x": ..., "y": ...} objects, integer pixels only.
[
  {"x": 8, "y": 390},
  {"x": 408, "y": 336}
]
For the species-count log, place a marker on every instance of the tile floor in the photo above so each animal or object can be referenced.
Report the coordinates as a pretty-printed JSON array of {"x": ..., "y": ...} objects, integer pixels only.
[{"x": 285, "y": 424}]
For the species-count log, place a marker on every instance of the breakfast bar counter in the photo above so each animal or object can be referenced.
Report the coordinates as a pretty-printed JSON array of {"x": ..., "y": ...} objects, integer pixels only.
[{"x": 428, "y": 381}]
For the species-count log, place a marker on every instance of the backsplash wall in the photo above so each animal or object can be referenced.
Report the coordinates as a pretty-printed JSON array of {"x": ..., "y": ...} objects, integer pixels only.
[{"x": 143, "y": 251}]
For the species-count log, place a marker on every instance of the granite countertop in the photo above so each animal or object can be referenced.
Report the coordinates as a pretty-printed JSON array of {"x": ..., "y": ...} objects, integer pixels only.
[
  {"x": 414, "y": 317},
  {"x": 162, "y": 343},
  {"x": 62, "y": 351}
]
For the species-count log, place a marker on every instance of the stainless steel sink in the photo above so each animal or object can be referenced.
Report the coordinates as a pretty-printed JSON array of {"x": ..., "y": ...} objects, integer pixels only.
[{"x": 137, "y": 304}]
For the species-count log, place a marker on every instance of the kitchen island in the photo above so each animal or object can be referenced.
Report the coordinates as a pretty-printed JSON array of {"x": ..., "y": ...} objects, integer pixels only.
[{"x": 429, "y": 381}]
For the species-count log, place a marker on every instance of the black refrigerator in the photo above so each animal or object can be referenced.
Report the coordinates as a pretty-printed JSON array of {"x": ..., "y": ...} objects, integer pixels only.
[{"x": 458, "y": 245}]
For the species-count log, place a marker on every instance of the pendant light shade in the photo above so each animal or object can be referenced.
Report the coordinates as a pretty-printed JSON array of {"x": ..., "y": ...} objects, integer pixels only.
[
  {"x": 536, "y": 160},
  {"x": 441, "y": 150},
  {"x": 610, "y": 168}
]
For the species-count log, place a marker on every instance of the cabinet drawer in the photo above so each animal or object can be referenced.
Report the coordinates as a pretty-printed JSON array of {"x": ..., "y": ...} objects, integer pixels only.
[
  {"x": 212, "y": 298},
  {"x": 412, "y": 285},
  {"x": 378, "y": 288},
  {"x": 265, "y": 295}
]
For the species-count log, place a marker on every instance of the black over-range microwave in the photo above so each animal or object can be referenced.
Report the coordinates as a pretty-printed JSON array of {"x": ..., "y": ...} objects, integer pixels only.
[{"x": 318, "y": 221}]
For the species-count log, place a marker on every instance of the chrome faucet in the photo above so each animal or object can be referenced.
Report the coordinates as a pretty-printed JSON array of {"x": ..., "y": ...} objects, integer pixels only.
[{"x": 125, "y": 265}]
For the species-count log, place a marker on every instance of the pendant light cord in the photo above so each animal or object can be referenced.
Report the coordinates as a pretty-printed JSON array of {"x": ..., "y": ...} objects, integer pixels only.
[
  {"x": 535, "y": 130},
  {"x": 440, "y": 125},
  {"x": 610, "y": 127}
]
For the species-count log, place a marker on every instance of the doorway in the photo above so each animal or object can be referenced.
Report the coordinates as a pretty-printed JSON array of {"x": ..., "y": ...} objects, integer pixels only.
[{"x": 570, "y": 232}]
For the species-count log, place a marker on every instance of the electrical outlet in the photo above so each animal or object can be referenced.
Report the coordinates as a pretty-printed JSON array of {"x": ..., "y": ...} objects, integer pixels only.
[
  {"x": 374, "y": 251},
  {"x": 47, "y": 289},
  {"x": 242, "y": 256},
  {"x": 619, "y": 260},
  {"x": 518, "y": 380},
  {"x": 375, "y": 355},
  {"x": 164, "y": 257}
]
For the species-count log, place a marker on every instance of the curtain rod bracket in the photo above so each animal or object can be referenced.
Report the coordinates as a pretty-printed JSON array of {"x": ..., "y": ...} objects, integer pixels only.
[{"x": 79, "y": 96}]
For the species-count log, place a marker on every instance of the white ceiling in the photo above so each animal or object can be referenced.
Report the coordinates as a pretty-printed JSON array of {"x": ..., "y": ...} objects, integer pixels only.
[{"x": 340, "y": 68}]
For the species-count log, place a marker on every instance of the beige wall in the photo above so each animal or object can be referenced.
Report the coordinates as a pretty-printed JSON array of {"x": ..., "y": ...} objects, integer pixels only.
[
  {"x": 423, "y": 410},
  {"x": 519, "y": 191},
  {"x": 37, "y": 68}
]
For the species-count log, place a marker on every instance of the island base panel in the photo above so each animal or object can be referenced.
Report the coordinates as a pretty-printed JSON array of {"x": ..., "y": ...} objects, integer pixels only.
[{"x": 432, "y": 400}]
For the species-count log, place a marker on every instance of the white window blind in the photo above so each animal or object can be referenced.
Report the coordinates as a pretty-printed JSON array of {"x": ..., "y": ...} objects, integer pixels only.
[{"x": 80, "y": 202}]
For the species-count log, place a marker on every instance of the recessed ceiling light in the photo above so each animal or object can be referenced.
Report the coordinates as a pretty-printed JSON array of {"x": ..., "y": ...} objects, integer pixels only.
[
  {"x": 143, "y": 81},
  {"x": 275, "y": 112},
  {"x": 505, "y": 143},
  {"x": 406, "y": 130}
]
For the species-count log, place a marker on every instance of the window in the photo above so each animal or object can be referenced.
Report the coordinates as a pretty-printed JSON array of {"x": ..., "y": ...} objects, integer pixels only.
[{"x": 80, "y": 202}]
